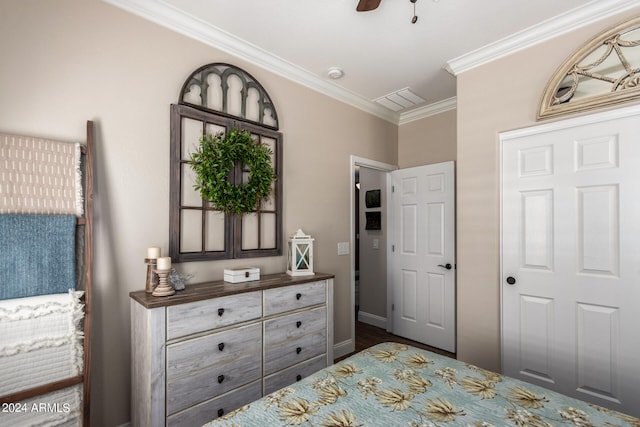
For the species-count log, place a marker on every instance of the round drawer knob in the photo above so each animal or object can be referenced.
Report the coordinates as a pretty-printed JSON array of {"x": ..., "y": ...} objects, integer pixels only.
[
  {"x": 221, "y": 346},
  {"x": 298, "y": 377},
  {"x": 298, "y": 296},
  {"x": 220, "y": 311},
  {"x": 220, "y": 379},
  {"x": 298, "y": 350},
  {"x": 220, "y": 412},
  {"x": 298, "y": 324}
]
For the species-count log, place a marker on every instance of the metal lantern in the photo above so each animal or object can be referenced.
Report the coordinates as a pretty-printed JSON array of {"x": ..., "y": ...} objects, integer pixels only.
[{"x": 300, "y": 254}]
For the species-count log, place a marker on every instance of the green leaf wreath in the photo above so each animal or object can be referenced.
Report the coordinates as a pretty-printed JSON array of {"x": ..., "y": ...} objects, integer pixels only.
[{"x": 217, "y": 155}]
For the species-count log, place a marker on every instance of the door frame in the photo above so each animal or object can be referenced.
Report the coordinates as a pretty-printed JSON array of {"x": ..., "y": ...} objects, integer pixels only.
[
  {"x": 356, "y": 161},
  {"x": 508, "y": 136}
]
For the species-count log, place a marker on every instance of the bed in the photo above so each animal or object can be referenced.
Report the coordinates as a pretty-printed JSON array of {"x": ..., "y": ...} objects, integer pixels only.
[
  {"x": 46, "y": 216},
  {"x": 394, "y": 384}
]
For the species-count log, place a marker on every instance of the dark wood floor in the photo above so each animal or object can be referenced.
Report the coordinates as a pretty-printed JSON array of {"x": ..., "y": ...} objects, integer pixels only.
[{"x": 368, "y": 335}]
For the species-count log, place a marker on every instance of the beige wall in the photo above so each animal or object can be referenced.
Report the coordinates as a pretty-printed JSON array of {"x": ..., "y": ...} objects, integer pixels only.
[
  {"x": 428, "y": 140},
  {"x": 496, "y": 97},
  {"x": 68, "y": 61}
]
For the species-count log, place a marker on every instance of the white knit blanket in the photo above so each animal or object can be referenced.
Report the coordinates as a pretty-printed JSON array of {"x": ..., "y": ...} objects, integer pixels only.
[
  {"x": 39, "y": 176},
  {"x": 41, "y": 340}
]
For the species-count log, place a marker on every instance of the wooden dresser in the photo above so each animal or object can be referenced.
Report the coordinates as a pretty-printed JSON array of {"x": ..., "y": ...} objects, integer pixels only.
[{"x": 214, "y": 347}]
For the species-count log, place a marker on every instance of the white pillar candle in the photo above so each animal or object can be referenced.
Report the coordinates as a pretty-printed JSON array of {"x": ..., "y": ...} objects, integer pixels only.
[
  {"x": 164, "y": 263},
  {"x": 153, "y": 253}
]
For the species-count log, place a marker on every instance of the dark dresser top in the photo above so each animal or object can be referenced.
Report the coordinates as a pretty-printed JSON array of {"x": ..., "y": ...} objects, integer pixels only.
[{"x": 220, "y": 288}]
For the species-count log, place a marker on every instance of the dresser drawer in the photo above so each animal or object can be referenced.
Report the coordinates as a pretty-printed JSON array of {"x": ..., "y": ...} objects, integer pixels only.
[
  {"x": 294, "y": 338},
  {"x": 293, "y": 374},
  {"x": 202, "y": 368},
  {"x": 199, "y": 316},
  {"x": 214, "y": 408},
  {"x": 287, "y": 298}
]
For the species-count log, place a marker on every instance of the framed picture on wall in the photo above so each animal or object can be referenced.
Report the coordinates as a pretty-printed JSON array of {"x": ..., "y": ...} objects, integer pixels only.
[
  {"x": 372, "y": 198},
  {"x": 374, "y": 221}
]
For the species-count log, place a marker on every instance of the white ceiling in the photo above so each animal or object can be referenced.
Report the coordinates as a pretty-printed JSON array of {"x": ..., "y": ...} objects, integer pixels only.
[{"x": 380, "y": 51}]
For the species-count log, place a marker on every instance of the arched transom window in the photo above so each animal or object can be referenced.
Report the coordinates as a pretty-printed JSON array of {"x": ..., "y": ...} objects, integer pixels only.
[{"x": 606, "y": 71}]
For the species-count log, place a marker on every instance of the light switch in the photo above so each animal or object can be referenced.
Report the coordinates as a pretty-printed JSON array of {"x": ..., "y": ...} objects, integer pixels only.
[
  {"x": 343, "y": 248},
  {"x": 376, "y": 243}
]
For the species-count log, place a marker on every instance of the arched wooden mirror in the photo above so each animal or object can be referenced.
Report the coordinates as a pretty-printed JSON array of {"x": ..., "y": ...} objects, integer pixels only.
[
  {"x": 604, "y": 72},
  {"x": 216, "y": 98}
]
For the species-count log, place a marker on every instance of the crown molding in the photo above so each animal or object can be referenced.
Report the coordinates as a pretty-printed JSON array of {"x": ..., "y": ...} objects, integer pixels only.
[
  {"x": 569, "y": 21},
  {"x": 428, "y": 110},
  {"x": 176, "y": 20}
]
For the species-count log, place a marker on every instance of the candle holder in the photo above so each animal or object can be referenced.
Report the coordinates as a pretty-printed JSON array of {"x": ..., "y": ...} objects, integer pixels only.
[
  {"x": 152, "y": 278},
  {"x": 163, "y": 289}
]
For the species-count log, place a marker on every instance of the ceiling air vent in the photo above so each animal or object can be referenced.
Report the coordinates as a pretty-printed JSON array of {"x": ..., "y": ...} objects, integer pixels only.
[{"x": 400, "y": 100}]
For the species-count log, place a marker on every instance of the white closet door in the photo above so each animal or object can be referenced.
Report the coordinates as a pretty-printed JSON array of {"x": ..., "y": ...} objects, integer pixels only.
[{"x": 571, "y": 258}]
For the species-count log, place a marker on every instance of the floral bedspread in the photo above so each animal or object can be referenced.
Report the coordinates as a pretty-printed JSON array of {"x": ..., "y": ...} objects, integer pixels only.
[{"x": 398, "y": 385}]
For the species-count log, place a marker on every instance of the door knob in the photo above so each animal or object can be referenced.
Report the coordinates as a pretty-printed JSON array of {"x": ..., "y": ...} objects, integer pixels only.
[
  {"x": 511, "y": 280},
  {"x": 447, "y": 266}
]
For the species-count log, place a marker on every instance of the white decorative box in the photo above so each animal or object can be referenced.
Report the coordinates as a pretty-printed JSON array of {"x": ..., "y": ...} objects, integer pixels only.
[{"x": 241, "y": 274}]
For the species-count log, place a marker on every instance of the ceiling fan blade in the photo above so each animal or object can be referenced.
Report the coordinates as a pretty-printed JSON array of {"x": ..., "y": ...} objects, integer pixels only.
[{"x": 367, "y": 5}]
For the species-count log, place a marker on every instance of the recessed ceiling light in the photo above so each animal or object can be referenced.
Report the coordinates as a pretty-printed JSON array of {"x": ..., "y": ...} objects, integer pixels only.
[{"x": 335, "y": 73}]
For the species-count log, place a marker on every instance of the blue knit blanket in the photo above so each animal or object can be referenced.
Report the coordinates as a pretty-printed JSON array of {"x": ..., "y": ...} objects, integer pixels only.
[{"x": 37, "y": 255}]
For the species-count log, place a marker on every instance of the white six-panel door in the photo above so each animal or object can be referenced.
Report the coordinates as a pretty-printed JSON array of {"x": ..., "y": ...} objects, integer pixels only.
[
  {"x": 423, "y": 255},
  {"x": 571, "y": 258}
]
